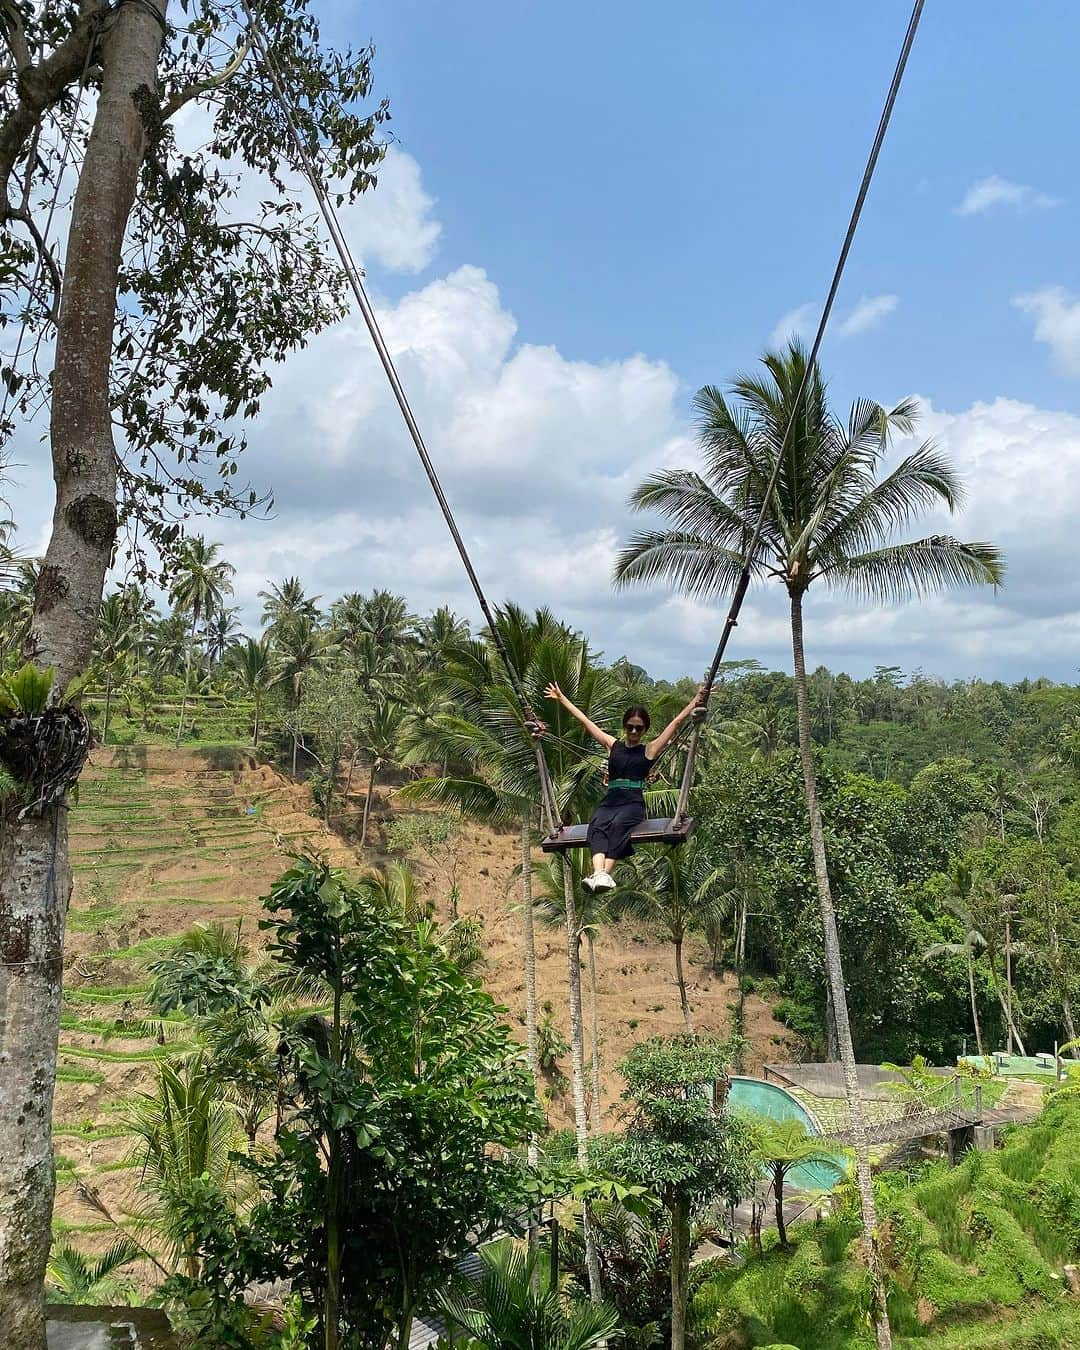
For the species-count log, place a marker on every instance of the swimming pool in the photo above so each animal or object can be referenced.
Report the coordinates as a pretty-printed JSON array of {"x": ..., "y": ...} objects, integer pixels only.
[{"x": 767, "y": 1099}]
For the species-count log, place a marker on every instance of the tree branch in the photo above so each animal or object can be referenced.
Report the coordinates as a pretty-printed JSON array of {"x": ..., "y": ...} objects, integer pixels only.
[
  {"x": 15, "y": 38},
  {"x": 175, "y": 102},
  {"x": 43, "y": 85},
  {"x": 44, "y": 253}
]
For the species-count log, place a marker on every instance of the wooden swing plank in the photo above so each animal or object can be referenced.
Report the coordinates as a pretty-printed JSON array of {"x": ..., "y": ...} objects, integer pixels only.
[{"x": 664, "y": 831}]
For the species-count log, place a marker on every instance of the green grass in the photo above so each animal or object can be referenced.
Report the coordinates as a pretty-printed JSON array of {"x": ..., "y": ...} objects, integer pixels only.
[
  {"x": 68, "y": 1074},
  {"x": 977, "y": 1247},
  {"x": 127, "y": 1056},
  {"x": 90, "y": 920},
  {"x": 105, "y": 993}
]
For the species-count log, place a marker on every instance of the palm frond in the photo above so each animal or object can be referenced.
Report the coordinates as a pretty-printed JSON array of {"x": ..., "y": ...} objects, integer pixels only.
[
  {"x": 684, "y": 560},
  {"x": 901, "y": 571}
]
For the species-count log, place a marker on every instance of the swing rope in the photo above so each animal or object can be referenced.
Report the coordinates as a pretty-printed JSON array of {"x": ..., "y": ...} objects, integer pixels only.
[
  {"x": 354, "y": 276},
  {"x": 743, "y": 583}
]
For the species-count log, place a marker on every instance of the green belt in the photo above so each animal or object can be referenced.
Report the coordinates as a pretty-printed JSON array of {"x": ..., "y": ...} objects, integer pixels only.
[{"x": 627, "y": 783}]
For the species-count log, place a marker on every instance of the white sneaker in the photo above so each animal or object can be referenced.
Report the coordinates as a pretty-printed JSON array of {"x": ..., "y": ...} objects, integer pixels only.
[
  {"x": 589, "y": 883},
  {"x": 603, "y": 881}
]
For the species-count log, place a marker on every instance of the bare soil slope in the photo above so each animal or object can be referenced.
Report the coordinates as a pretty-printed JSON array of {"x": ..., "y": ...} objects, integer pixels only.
[{"x": 164, "y": 839}]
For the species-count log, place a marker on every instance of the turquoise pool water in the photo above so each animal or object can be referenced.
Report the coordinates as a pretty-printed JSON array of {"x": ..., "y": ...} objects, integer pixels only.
[{"x": 767, "y": 1099}]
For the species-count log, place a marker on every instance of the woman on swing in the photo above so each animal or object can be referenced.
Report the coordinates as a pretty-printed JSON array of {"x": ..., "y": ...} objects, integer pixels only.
[{"x": 623, "y": 806}]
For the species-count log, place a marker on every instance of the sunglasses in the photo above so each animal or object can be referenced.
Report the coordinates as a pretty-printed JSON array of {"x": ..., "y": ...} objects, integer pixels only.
[{"x": 635, "y": 726}]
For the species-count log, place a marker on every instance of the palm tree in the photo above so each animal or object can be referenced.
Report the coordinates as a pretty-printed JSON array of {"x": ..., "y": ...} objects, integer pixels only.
[
  {"x": 116, "y": 628},
  {"x": 200, "y": 585},
  {"x": 508, "y": 1307},
  {"x": 77, "y": 1278},
  {"x": 961, "y": 881},
  {"x": 221, "y": 628},
  {"x": 677, "y": 889},
  {"x": 782, "y": 1145},
  {"x": 300, "y": 645},
  {"x": 17, "y": 606},
  {"x": 252, "y": 667},
  {"x": 594, "y": 908},
  {"x": 831, "y": 519},
  {"x": 287, "y": 601},
  {"x": 396, "y": 890},
  {"x": 185, "y": 1130},
  {"x": 489, "y": 736},
  {"x": 167, "y": 643},
  {"x": 378, "y": 734}
]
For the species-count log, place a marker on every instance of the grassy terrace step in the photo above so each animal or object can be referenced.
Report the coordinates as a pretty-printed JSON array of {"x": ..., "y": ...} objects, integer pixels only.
[
  {"x": 94, "y": 1136},
  {"x": 105, "y": 993},
  {"x": 90, "y": 920},
  {"x": 147, "y": 1056},
  {"x": 67, "y": 1074}
]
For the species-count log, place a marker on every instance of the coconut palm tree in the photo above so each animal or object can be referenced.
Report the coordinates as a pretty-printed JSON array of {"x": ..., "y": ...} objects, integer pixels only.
[
  {"x": 508, "y": 1307},
  {"x": 782, "y": 1145},
  {"x": 961, "y": 881},
  {"x": 831, "y": 519},
  {"x": 594, "y": 908},
  {"x": 677, "y": 889},
  {"x": 287, "y": 601},
  {"x": 17, "y": 606},
  {"x": 221, "y": 629},
  {"x": 199, "y": 586},
  {"x": 489, "y": 736},
  {"x": 184, "y": 1130},
  {"x": 252, "y": 666},
  {"x": 378, "y": 734},
  {"x": 299, "y": 646},
  {"x": 115, "y": 631}
]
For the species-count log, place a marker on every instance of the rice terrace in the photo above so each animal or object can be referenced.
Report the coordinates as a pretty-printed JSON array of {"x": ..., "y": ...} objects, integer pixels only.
[{"x": 539, "y": 706}]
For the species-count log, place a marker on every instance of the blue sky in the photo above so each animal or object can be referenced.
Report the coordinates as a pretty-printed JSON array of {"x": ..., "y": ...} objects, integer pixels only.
[
  {"x": 591, "y": 210},
  {"x": 672, "y": 182}
]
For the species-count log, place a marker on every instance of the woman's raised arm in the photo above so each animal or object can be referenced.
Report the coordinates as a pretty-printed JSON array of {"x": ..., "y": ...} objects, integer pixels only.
[
  {"x": 597, "y": 733},
  {"x": 653, "y": 749}
]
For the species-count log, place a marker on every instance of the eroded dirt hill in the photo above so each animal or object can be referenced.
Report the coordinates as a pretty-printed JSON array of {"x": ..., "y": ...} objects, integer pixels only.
[{"x": 164, "y": 839}]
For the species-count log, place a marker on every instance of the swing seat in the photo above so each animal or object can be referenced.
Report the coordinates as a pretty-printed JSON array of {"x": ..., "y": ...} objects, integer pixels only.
[{"x": 669, "y": 830}]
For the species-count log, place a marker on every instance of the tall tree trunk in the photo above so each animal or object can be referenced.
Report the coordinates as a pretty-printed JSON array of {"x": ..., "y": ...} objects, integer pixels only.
[
  {"x": 108, "y": 708},
  {"x": 1011, "y": 1029},
  {"x": 974, "y": 1005},
  {"x": 594, "y": 1035},
  {"x": 680, "y": 978},
  {"x": 528, "y": 923},
  {"x": 35, "y": 876},
  {"x": 349, "y": 778},
  {"x": 835, "y": 972},
  {"x": 367, "y": 801},
  {"x": 255, "y": 731},
  {"x": 577, "y": 1072},
  {"x": 1008, "y": 976},
  {"x": 832, "y": 1037},
  {"x": 187, "y": 676},
  {"x": 680, "y": 1271},
  {"x": 778, "y": 1202}
]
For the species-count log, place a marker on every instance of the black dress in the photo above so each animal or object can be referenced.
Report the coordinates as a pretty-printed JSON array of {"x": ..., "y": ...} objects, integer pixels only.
[{"x": 623, "y": 807}]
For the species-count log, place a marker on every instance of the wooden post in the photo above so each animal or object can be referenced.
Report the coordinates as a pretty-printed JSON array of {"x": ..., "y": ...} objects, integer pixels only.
[{"x": 553, "y": 1227}]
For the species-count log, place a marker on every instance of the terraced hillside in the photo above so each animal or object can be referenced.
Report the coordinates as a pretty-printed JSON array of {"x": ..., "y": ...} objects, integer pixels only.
[
  {"x": 160, "y": 840},
  {"x": 163, "y": 839}
]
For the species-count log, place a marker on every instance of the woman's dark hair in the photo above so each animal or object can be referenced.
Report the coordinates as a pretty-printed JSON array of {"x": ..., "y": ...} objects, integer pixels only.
[{"x": 642, "y": 713}]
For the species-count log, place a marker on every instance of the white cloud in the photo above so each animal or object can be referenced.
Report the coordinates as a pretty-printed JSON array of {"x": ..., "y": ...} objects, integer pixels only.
[
  {"x": 795, "y": 323},
  {"x": 868, "y": 313},
  {"x": 800, "y": 322},
  {"x": 538, "y": 454},
  {"x": 992, "y": 192},
  {"x": 393, "y": 226},
  {"x": 1057, "y": 323}
]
